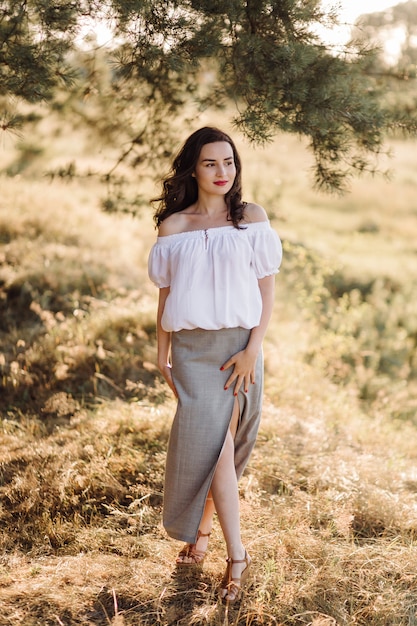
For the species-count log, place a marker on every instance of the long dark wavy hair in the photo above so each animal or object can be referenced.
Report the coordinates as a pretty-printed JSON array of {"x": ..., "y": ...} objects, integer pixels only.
[{"x": 180, "y": 188}]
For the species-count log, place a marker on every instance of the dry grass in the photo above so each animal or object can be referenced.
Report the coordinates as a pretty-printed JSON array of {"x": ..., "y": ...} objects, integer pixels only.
[
  {"x": 328, "y": 519},
  {"x": 329, "y": 500}
]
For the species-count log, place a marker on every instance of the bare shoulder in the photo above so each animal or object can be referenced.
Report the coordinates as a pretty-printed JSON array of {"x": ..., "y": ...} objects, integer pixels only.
[
  {"x": 172, "y": 225},
  {"x": 255, "y": 213}
]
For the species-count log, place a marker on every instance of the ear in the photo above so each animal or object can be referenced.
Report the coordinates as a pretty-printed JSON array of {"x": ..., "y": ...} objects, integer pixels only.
[{"x": 193, "y": 174}]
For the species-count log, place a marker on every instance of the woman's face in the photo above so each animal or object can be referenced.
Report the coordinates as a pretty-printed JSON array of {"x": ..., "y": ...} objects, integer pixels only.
[{"x": 215, "y": 171}]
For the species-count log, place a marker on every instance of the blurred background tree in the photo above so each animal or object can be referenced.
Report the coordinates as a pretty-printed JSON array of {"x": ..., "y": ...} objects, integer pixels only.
[
  {"x": 393, "y": 32},
  {"x": 170, "y": 60}
]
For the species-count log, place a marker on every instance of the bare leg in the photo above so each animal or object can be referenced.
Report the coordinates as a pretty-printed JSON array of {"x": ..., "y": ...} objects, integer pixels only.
[
  {"x": 226, "y": 498},
  {"x": 209, "y": 509},
  {"x": 205, "y": 528},
  {"x": 207, "y": 519},
  {"x": 224, "y": 494}
]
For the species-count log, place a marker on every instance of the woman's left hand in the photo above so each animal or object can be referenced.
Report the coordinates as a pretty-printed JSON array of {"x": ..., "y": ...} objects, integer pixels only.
[{"x": 243, "y": 364}]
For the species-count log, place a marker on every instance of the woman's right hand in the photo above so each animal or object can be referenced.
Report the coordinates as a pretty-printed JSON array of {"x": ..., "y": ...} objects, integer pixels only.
[{"x": 166, "y": 371}]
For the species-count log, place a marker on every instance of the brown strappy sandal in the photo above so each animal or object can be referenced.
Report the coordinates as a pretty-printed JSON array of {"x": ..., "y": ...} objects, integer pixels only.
[
  {"x": 189, "y": 551},
  {"x": 234, "y": 585}
]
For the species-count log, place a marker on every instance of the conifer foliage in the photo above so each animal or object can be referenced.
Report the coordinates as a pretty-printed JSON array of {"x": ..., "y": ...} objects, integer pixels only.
[
  {"x": 264, "y": 56},
  {"x": 34, "y": 40}
]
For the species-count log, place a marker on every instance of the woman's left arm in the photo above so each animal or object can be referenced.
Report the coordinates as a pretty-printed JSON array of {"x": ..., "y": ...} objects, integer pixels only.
[{"x": 244, "y": 362}]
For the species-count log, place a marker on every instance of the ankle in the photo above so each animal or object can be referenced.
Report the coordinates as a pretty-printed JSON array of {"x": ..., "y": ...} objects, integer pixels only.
[
  {"x": 202, "y": 534},
  {"x": 237, "y": 554}
]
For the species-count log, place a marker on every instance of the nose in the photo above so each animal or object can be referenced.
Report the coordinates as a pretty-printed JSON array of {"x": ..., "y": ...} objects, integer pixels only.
[{"x": 220, "y": 169}]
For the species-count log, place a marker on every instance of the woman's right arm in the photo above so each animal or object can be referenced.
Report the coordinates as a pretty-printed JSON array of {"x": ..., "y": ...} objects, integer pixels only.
[{"x": 164, "y": 341}]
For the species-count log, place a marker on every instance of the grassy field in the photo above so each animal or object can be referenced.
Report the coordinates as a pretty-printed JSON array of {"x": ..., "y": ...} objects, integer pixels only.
[{"x": 329, "y": 500}]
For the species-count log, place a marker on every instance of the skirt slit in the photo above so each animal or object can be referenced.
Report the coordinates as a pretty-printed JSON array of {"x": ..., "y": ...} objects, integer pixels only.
[{"x": 202, "y": 419}]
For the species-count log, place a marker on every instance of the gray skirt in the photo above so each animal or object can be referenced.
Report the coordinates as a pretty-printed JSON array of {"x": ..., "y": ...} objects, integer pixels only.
[{"x": 201, "y": 422}]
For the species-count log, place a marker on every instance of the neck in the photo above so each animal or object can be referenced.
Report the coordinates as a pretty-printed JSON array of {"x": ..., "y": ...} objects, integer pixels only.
[{"x": 210, "y": 207}]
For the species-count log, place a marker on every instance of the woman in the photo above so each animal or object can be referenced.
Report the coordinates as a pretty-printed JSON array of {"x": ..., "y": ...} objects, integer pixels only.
[{"x": 214, "y": 263}]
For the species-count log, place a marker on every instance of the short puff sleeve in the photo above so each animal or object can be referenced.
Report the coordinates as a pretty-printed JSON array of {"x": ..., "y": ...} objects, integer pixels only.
[
  {"x": 159, "y": 269},
  {"x": 267, "y": 250}
]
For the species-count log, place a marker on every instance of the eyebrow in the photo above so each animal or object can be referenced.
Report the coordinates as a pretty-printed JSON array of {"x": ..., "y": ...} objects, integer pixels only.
[{"x": 230, "y": 158}]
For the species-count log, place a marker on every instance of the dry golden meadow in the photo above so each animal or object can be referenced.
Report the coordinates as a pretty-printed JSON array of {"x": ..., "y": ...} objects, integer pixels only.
[{"x": 329, "y": 500}]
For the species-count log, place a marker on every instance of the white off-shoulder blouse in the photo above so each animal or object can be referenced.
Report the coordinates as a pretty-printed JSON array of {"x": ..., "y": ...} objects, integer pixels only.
[{"x": 213, "y": 275}]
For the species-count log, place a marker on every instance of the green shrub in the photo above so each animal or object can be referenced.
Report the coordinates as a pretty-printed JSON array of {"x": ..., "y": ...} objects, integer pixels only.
[{"x": 365, "y": 334}]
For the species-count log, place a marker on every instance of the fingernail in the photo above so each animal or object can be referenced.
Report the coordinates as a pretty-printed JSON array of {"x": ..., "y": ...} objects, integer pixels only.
[
  {"x": 235, "y": 394},
  {"x": 222, "y": 368},
  {"x": 225, "y": 388},
  {"x": 246, "y": 391}
]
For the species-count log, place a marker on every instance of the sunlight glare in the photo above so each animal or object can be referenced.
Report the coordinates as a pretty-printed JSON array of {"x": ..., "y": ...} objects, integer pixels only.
[{"x": 348, "y": 12}]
